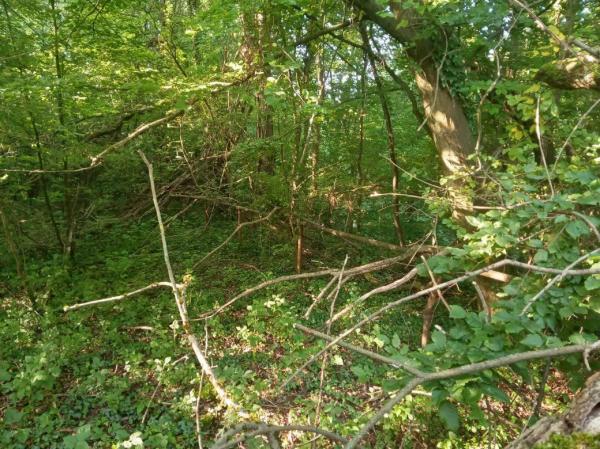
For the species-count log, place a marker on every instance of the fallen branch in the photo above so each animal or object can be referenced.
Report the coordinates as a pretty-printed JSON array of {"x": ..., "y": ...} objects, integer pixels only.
[
  {"x": 178, "y": 294},
  {"x": 450, "y": 283},
  {"x": 119, "y": 297},
  {"x": 357, "y": 238},
  {"x": 373, "y": 266},
  {"x": 382, "y": 289},
  {"x": 235, "y": 231},
  {"x": 257, "y": 429}
]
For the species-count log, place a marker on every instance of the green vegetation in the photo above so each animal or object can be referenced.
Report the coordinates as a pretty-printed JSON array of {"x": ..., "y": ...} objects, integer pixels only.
[
  {"x": 418, "y": 181},
  {"x": 575, "y": 441}
]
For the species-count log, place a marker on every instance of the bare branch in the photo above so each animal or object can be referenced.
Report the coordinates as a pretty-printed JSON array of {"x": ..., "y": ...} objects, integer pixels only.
[
  {"x": 450, "y": 283},
  {"x": 373, "y": 266},
  {"x": 119, "y": 297},
  {"x": 180, "y": 300},
  {"x": 256, "y": 429},
  {"x": 235, "y": 231}
]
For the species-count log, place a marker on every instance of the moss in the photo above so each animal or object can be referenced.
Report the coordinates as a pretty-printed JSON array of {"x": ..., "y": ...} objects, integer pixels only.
[{"x": 574, "y": 441}]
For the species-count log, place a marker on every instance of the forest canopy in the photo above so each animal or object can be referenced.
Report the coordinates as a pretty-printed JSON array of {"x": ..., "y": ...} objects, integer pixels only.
[{"x": 298, "y": 223}]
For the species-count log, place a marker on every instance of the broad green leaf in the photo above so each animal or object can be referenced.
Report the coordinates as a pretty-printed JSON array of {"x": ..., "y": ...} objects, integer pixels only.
[
  {"x": 577, "y": 228},
  {"x": 533, "y": 341},
  {"x": 12, "y": 416},
  {"x": 449, "y": 414},
  {"x": 457, "y": 312}
]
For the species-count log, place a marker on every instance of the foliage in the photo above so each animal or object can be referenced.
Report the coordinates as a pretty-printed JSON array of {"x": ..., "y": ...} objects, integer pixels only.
[{"x": 248, "y": 106}]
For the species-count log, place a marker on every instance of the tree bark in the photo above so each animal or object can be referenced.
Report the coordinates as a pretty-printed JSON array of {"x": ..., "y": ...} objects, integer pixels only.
[{"x": 445, "y": 116}]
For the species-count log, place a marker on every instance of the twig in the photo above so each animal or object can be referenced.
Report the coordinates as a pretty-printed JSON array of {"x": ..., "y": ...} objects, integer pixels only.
[
  {"x": 180, "y": 300},
  {"x": 319, "y": 297},
  {"x": 484, "y": 304},
  {"x": 373, "y": 355},
  {"x": 434, "y": 282},
  {"x": 577, "y": 125},
  {"x": 450, "y": 283},
  {"x": 235, "y": 231},
  {"x": 324, "y": 361},
  {"x": 538, "y": 133},
  {"x": 119, "y": 297},
  {"x": 200, "y": 385},
  {"x": 158, "y": 385},
  {"x": 556, "y": 279}
]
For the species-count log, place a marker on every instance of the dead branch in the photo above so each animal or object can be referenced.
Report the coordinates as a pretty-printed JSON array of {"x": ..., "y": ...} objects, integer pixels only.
[
  {"x": 384, "y": 288},
  {"x": 235, "y": 231},
  {"x": 179, "y": 295},
  {"x": 119, "y": 297},
  {"x": 251, "y": 430},
  {"x": 357, "y": 238},
  {"x": 565, "y": 272},
  {"x": 320, "y": 297},
  {"x": 367, "y": 268}
]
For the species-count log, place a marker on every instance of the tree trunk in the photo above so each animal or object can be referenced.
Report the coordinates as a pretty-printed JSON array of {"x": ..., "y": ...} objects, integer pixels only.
[
  {"x": 389, "y": 133},
  {"x": 445, "y": 116}
]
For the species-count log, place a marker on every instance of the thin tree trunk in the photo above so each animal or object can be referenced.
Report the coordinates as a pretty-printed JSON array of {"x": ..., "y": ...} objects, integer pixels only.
[
  {"x": 389, "y": 133},
  {"x": 445, "y": 116}
]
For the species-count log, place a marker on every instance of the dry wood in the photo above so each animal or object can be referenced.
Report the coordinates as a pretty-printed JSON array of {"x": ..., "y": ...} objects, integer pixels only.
[
  {"x": 179, "y": 295},
  {"x": 251, "y": 430},
  {"x": 119, "y": 297},
  {"x": 362, "y": 269},
  {"x": 505, "y": 262},
  {"x": 357, "y": 238}
]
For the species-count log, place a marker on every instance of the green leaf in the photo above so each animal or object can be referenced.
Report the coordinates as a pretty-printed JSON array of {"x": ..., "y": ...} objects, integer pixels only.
[
  {"x": 337, "y": 360},
  {"x": 449, "y": 414},
  {"x": 541, "y": 256},
  {"x": 592, "y": 283},
  {"x": 533, "y": 341},
  {"x": 457, "y": 312},
  {"x": 438, "y": 338},
  {"x": 396, "y": 341},
  {"x": 495, "y": 393},
  {"x": 12, "y": 416},
  {"x": 577, "y": 228}
]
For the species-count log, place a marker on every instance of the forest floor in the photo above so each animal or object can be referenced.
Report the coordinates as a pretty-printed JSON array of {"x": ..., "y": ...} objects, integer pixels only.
[{"x": 120, "y": 373}]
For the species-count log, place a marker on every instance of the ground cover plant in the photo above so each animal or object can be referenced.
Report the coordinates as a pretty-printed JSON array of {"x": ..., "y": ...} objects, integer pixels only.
[{"x": 298, "y": 223}]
